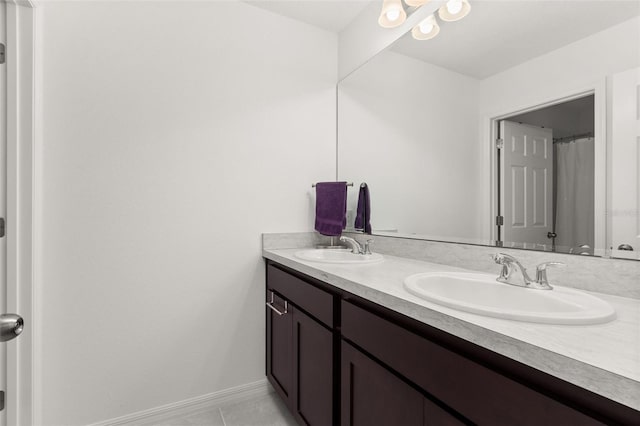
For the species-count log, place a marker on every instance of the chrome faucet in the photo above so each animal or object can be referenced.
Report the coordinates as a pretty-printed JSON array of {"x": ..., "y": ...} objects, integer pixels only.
[
  {"x": 355, "y": 246},
  {"x": 509, "y": 266}
]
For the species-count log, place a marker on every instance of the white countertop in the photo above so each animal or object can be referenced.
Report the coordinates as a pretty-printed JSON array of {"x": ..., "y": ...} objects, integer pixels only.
[{"x": 603, "y": 358}]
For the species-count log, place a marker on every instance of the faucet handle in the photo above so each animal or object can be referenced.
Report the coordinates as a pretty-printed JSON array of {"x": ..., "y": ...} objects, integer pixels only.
[
  {"x": 545, "y": 265},
  {"x": 367, "y": 249},
  {"x": 502, "y": 258},
  {"x": 541, "y": 272}
]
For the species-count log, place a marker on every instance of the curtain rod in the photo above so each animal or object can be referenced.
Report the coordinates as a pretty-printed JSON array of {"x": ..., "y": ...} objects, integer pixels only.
[{"x": 572, "y": 138}]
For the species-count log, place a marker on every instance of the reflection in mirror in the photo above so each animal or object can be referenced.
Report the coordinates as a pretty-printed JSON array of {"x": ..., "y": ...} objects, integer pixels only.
[
  {"x": 419, "y": 123},
  {"x": 625, "y": 164},
  {"x": 546, "y": 177}
]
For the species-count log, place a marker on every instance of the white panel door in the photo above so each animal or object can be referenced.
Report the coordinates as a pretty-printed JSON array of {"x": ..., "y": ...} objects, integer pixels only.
[
  {"x": 526, "y": 182},
  {"x": 625, "y": 162}
]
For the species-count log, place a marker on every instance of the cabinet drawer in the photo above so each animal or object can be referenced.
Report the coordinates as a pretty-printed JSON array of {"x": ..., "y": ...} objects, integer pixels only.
[
  {"x": 478, "y": 393},
  {"x": 307, "y": 297}
]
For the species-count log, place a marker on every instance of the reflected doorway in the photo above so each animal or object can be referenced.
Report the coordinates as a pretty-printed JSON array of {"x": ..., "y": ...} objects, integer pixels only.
[{"x": 546, "y": 178}]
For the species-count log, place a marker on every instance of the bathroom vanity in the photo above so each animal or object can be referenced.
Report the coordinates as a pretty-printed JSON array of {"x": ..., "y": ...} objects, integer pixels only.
[{"x": 343, "y": 350}]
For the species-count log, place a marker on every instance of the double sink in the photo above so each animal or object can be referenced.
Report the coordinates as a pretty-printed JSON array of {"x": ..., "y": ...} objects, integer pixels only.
[{"x": 483, "y": 294}]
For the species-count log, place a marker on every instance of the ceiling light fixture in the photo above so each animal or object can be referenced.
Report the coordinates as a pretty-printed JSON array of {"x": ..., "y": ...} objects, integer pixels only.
[
  {"x": 427, "y": 29},
  {"x": 392, "y": 14},
  {"x": 454, "y": 10}
]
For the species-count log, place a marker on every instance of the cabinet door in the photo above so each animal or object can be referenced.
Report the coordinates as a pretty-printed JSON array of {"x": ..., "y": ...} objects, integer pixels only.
[
  {"x": 372, "y": 396},
  {"x": 437, "y": 416},
  {"x": 313, "y": 371},
  {"x": 280, "y": 347}
]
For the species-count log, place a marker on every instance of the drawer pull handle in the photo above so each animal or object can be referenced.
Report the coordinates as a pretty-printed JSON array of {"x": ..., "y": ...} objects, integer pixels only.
[{"x": 274, "y": 309}]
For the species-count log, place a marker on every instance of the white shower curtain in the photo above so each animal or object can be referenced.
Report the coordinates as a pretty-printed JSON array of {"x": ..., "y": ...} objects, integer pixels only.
[{"x": 574, "y": 193}]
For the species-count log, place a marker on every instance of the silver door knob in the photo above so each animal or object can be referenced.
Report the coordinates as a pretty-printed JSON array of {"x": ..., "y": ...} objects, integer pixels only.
[
  {"x": 626, "y": 247},
  {"x": 11, "y": 326}
]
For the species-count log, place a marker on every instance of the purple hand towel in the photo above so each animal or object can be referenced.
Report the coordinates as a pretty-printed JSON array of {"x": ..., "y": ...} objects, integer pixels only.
[
  {"x": 363, "y": 213},
  {"x": 331, "y": 208}
]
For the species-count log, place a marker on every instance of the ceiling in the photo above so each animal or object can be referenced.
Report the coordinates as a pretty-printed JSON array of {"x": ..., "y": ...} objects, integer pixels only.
[
  {"x": 495, "y": 36},
  {"x": 330, "y": 15},
  {"x": 565, "y": 119}
]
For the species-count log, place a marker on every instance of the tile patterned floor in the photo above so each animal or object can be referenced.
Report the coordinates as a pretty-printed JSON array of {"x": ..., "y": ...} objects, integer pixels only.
[{"x": 266, "y": 410}]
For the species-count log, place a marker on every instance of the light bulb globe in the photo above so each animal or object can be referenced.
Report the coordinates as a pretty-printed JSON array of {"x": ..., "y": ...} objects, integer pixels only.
[
  {"x": 393, "y": 14},
  {"x": 454, "y": 10},
  {"x": 454, "y": 6},
  {"x": 426, "y": 27},
  {"x": 426, "y": 30}
]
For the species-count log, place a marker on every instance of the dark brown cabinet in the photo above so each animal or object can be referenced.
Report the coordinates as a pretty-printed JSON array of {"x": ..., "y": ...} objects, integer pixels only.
[
  {"x": 336, "y": 358},
  {"x": 373, "y": 396},
  {"x": 300, "y": 349}
]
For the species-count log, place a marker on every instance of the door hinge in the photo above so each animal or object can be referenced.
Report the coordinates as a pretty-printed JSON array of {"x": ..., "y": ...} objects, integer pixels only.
[
  {"x": 499, "y": 143},
  {"x": 1, "y": 400},
  {"x": 500, "y": 220},
  {"x": 2, "y": 54},
  {"x": 1, "y": 227}
]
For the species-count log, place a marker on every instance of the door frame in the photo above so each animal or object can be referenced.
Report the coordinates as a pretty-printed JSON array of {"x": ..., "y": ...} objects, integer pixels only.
[
  {"x": 491, "y": 123},
  {"x": 22, "y": 143}
]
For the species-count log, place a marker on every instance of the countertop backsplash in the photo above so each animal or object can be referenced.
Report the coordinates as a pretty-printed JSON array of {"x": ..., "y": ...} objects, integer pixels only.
[{"x": 603, "y": 275}]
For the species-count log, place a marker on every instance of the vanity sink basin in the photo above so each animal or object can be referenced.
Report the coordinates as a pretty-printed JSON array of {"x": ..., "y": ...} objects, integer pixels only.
[
  {"x": 337, "y": 256},
  {"x": 482, "y": 294}
]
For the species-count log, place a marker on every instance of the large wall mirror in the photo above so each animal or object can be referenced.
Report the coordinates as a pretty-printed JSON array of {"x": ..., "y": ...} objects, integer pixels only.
[{"x": 515, "y": 126}]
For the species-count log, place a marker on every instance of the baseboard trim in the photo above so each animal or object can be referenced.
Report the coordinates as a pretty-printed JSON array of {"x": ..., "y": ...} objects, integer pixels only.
[{"x": 211, "y": 400}]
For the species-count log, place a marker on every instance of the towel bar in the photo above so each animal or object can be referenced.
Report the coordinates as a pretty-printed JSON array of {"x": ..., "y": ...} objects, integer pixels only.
[{"x": 349, "y": 184}]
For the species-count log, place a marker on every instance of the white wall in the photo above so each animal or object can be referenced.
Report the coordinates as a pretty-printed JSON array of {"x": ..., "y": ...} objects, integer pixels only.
[
  {"x": 174, "y": 133},
  {"x": 409, "y": 129}
]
